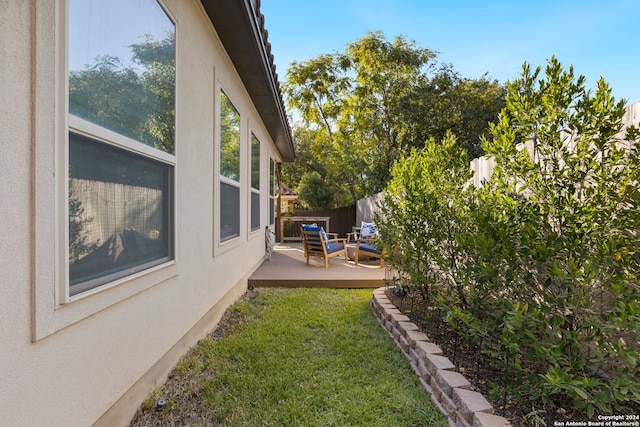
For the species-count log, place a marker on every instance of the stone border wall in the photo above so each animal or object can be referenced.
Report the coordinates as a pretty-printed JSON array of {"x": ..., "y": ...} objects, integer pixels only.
[{"x": 449, "y": 389}]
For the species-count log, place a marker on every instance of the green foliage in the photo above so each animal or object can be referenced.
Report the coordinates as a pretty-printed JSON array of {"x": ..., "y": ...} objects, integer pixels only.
[
  {"x": 558, "y": 225},
  {"x": 465, "y": 107},
  {"x": 547, "y": 250},
  {"x": 314, "y": 193},
  {"x": 369, "y": 106},
  {"x": 229, "y": 139},
  {"x": 424, "y": 209},
  {"x": 306, "y": 162}
]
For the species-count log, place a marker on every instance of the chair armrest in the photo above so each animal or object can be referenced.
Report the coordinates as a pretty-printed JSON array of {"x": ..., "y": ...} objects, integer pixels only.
[
  {"x": 341, "y": 241},
  {"x": 369, "y": 240},
  {"x": 332, "y": 235}
]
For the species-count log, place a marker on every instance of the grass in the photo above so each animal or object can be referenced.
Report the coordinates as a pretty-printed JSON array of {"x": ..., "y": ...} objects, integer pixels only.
[{"x": 307, "y": 357}]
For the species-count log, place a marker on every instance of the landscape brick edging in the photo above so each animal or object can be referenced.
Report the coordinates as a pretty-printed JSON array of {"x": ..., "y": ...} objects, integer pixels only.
[{"x": 449, "y": 389}]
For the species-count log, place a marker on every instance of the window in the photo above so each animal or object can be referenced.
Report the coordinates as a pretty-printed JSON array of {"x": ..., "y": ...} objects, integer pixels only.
[
  {"x": 229, "y": 169},
  {"x": 121, "y": 137},
  {"x": 255, "y": 183},
  {"x": 272, "y": 191}
]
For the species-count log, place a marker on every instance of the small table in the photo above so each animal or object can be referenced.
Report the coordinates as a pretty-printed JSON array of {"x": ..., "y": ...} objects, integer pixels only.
[{"x": 351, "y": 251}]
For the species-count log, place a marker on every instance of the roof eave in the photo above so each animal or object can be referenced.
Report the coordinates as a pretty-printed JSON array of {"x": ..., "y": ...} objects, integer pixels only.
[{"x": 241, "y": 30}]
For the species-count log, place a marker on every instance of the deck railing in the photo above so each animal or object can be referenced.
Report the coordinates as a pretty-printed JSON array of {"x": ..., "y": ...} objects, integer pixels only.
[{"x": 289, "y": 226}]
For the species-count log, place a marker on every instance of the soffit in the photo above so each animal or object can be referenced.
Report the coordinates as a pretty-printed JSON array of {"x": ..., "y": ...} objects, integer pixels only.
[{"x": 240, "y": 27}]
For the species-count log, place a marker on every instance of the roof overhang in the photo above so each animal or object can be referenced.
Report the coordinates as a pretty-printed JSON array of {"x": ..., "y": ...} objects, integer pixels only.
[{"x": 241, "y": 30}]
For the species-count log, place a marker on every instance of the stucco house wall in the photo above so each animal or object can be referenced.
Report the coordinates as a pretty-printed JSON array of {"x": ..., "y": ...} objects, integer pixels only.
[{"x": 92, "y": 359}]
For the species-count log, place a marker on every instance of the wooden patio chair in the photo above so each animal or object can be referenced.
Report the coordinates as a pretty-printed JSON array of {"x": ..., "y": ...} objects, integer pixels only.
[
  {"x": 365, "y": 243},
  {"x": 317, "y": 244},
  {"x": 366, "y": 249}
]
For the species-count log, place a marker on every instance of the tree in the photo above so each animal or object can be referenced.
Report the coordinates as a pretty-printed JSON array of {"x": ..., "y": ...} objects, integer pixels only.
[
  {"x": 292, "y": 172},
  {"x": 371, "y": 104},
  {"x": 464, "y": 107},
  {"x": 386, "y": 74},
  {"x": 314, "y": 193},
  {"x": 351, "y": 100}
]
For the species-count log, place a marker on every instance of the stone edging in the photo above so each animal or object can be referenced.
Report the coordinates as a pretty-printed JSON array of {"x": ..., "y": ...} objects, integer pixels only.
[{"x": 449, "y": 389}]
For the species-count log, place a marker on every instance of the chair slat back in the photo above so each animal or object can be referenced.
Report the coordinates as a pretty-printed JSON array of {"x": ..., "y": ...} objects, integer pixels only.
[{"x": 312, "y": 241}]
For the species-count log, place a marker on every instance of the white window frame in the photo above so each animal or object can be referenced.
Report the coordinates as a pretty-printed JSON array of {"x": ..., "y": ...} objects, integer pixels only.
[
  {"x": 252, "y": 189},
  {"x": 53, "y": 308},
  {"x": 221, "y": 179}
]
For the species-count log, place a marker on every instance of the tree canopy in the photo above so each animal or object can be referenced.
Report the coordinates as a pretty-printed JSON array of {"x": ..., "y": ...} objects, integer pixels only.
[{"x": 363, "y": 109}]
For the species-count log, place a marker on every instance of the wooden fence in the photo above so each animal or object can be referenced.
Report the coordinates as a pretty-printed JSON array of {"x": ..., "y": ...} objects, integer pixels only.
[{"x": 482, "y": 167}]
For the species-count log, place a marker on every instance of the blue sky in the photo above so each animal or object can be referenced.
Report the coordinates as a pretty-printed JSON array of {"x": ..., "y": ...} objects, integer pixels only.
[{"x": 599, "y": 38}]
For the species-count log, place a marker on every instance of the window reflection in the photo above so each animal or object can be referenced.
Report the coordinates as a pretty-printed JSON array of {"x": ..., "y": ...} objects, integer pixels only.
[
  {"x": 255, "y": 183},
  {"x": 229, "y": 139},
  {"x": 122, "y": 68},
  {"x": 229, "y": 169},
  {"x": 119, "y": 213}
]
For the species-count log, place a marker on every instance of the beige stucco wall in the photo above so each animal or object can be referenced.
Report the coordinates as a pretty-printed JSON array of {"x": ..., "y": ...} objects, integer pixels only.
[{"x": 71, "y": 363}]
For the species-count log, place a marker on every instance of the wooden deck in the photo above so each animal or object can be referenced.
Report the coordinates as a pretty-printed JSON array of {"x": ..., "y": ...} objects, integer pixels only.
[{"x": 287, "y": 268}]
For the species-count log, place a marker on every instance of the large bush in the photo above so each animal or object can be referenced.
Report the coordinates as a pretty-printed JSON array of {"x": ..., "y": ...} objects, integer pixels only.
[
  {"x": 546, "y": 253},
  {"x": 424, "y": 209}
]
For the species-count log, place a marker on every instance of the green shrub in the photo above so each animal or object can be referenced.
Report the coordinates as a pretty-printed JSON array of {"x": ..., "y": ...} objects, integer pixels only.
[
  {"x": 556, "y": 252},
  {"x": 424, "y": 210},
  {"x": 541, "y": 262}
]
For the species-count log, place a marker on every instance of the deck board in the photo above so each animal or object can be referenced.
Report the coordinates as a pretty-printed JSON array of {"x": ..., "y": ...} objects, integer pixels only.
[{"x": 287, "y": 268}]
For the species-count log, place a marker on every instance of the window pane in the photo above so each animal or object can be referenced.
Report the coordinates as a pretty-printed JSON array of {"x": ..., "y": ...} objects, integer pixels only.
[
  {"x": 272, "y": 177},
  {"x": 255, "y": 210},
  {"x": 272, "y": 210},
  {"x": 272, "y": 192},
  {"x": 122, "y": 68},
  {"x": 120, "y": 213},
  {"x": 229, "y": 211},
  {"x": 229, "y": 139},
  {"x": 255, "y": 162}
]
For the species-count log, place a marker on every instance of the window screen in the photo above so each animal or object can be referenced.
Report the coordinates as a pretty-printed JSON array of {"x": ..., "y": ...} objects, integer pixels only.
[{"x": 120, "y": 209}]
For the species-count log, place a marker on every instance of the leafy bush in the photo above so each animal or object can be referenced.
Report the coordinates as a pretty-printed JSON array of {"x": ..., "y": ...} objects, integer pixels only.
[
  {"x": 424, "y": 210},
  {"x": 314, "y": 193},
  {"x": 543, "y": 258}
]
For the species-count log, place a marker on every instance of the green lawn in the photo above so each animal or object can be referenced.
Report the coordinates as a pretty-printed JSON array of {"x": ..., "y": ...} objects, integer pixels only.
[{"x": 307, "y": 357}]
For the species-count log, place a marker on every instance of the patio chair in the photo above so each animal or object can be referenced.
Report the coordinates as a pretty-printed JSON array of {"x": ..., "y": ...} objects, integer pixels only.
[
  {"x": 317, "y": 244},
  {"x": 364, "y": 243},
  {"x": 366, "y": 249}
]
